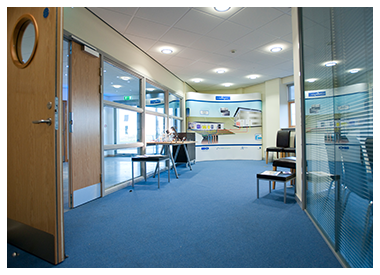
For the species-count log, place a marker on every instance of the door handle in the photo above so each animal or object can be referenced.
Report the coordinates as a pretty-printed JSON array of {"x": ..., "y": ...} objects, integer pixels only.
[{"x": 47, "y": 121}]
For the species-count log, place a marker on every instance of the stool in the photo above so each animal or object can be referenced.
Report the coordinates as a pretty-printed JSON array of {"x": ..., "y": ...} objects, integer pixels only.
[
  {"x": 151, "y": 158},
  {"x": 280, "y": 177},
  {"x": 288, "y": 162}
]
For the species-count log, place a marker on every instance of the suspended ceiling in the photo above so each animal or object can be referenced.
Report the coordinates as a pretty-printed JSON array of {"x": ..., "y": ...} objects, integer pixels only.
[{"x": 204, "y": 40}]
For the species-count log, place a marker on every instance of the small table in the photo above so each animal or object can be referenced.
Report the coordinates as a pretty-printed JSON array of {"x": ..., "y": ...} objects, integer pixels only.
[
  {"x": 280, "y": 177},
  {"x": 166, "y": 145}
]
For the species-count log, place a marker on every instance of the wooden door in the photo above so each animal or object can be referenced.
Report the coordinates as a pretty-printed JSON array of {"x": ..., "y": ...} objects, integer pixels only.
[
  {"x": 34, "y": 154},
  {"x": 84, "y": 101}
]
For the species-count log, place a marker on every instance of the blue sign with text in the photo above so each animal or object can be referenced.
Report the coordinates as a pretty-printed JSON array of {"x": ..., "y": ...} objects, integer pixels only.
[{"x": 222, "y": 97}]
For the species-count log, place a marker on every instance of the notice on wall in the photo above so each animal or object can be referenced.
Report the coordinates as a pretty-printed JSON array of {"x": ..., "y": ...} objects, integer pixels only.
[{"x": 226, "y": 126}]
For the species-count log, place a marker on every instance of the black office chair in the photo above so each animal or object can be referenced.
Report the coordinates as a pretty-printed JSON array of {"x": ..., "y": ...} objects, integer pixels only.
[
  {"x": 282, "y": 141},
  {"x": 290, "y": 150}
]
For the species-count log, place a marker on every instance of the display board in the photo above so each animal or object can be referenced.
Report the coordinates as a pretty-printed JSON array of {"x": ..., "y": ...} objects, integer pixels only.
[{"x": 226, "y": 126}]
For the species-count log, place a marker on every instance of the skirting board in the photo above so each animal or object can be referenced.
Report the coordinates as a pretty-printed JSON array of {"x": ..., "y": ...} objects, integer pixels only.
[{"x": 86, "y": 194}]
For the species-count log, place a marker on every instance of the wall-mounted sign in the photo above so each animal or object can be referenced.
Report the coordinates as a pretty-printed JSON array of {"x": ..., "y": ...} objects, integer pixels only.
[
  {"x": 127, "y": 97},
  {"x": 321, "y": 93},
  {"x": 222, "y": 97}
]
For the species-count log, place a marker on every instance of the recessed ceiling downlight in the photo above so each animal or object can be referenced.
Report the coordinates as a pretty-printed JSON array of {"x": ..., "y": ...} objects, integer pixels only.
[
  {"x": 116, "y": 86},
  {"x": 167, "y": 51},
  {"x": 222, "y": 9},
  {"x": 354, "y": 71},
  {"x": 311, "y": 80},
  {"x": 252, "y": 76},
  {"x": 197, "y": 80},
  {"x": 227, "y": 84},
  {"x": 220, "y": 71},
  {"x": 276, "y": 49},
  {"x": 330, "y": 64}
]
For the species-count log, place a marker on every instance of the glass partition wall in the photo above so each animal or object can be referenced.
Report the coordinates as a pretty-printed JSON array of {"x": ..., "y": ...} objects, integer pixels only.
[
  {"x": 338, "y": 99},
  {"x": 130, "y": 101}
]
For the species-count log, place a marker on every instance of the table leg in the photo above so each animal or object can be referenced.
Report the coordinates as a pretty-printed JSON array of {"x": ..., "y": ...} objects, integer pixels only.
[
  {"x": 187, "y": 156},
  {"x": 284, "y": 191},
  {"x": 257, "y": 184},
  {"x": 171, "y": 157}
]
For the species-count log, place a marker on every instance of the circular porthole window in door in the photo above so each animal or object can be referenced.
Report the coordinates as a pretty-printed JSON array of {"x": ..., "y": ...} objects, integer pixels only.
[{"x": 24, "y": 41}]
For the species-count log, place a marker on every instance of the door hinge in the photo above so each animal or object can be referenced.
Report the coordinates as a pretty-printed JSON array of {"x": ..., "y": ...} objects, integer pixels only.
[
  {"x": 101, "y": 71},
  {"x": 100, "y": 178},
  {"x": 71, "y": 200}
]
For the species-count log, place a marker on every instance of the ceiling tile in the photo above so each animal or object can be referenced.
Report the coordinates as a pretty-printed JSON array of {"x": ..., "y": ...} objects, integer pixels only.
[
  {"x": 229, "y": 31},
  {"x": 180, "y": 37},
  {"x": 163, "y": 15},
  {"x": 254, "y": 18},
  {"x": 223, "y": 15},
  {"x": 198, "y": 22},
  {"x": 279, "y": 26},
  {"x": 143, "y": 43},
  {"x": 124, "y": 10},
  {"x": 145, "y": 28},
  {"x": 214, "y": 58},
  {"x": 255, "y": 39},
  {"x": 117, "y": 20},
  {"x": 179, "y": 61},
  {"x": 192, "y": 53},
  {"x": 208, "y": 44}
]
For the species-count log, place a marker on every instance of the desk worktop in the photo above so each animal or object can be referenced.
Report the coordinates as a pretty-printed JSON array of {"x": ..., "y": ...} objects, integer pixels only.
[{"x": 169, "y": 142}]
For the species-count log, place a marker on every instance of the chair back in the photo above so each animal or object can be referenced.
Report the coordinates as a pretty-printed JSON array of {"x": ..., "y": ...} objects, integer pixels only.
[{"x": 283, "y": 138}]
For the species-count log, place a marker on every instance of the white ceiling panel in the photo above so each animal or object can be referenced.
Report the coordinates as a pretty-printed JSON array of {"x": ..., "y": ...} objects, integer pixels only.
[
  {"x": 124, "y": 10},
  {"x": 163, "y": 15},
  {"x": 179, "y": 61},
  {"x": 255, "y": 18},
  {"x": 117, "y": 20},
  {"x": 187, "y": 38},
  {"x": 223, "y": 15},
  {"x": 279, "y": 26},
  {"x": 256, "y": 39},
  {"x": 202, "y": 40},
  {"x": 229, "y": 31},
  {"x": 145, "y": 28},
  {"x": 192, "y": 53},
  {"x": 143, "y": 43},
  {"x": 208, "y": 44},
  {"x": 198, "y": 22}
]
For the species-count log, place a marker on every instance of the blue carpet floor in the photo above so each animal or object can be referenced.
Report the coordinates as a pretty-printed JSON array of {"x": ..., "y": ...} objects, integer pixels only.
[{"x": 208, "y": 218}]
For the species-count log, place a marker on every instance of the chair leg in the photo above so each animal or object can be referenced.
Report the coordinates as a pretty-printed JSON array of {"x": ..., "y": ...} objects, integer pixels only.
[
  {"x": 292, "y": 182},
  {"x": 274, "y": 183},
  {"x": 168, "y": 164},
  {"x": 267, "y": 158},
  {"x": 133, "y": 181},
  {"x": 158, "y": 174}
]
